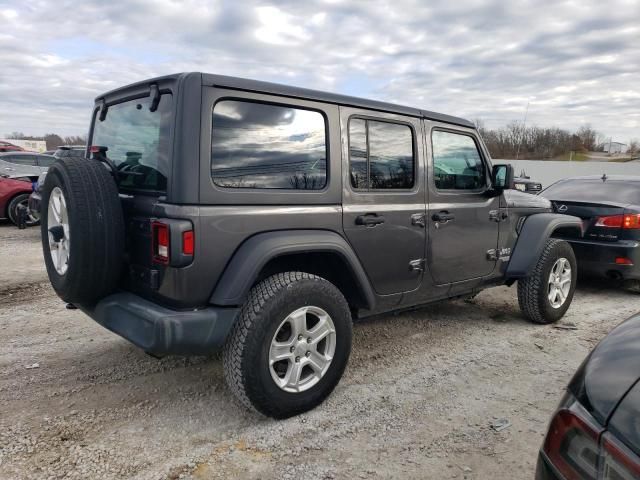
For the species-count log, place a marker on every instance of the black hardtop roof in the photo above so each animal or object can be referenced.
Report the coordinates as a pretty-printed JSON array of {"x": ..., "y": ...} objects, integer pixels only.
[{"x": 303, "y": 93}]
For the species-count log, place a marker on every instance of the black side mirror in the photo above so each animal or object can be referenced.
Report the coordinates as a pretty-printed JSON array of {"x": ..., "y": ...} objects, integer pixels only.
[{"x": 502, "y": 177}]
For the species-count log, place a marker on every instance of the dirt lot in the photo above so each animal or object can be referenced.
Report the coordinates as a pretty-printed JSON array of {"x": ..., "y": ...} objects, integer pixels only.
[{"x": 416, "y": 401}]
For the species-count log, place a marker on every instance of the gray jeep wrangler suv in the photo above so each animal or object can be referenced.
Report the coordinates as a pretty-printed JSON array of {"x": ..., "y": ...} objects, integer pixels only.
[{"x": 222, "y": 213}]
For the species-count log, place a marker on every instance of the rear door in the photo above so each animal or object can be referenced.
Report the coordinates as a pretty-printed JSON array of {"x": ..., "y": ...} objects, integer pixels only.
[
  {"x": 384, "y": 197},
  {"x": 463, "y": 220}
]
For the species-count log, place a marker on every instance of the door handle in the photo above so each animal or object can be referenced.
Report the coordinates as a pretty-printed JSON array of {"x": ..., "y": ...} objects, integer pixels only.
[
  {"x": 442, "y": 217},
  {"x": 417, "y": 219},
  {"x": 369, "y": 220}
]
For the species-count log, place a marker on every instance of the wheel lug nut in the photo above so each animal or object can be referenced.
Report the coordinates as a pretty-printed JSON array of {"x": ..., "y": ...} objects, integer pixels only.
[
  {"x": 297, "y": 359},
  {"x": 309, "y": 340},
  {"x": 299, "y": 337},
  {"x": 308, "y": 354},
  {"x": 292, "y": 349}
]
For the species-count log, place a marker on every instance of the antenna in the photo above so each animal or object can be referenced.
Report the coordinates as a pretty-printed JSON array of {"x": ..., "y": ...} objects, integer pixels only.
[{"x": 524, "y": 124}]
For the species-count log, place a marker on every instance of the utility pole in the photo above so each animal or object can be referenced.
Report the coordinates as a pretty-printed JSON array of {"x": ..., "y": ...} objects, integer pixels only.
[{"x": 524, "y": 125}]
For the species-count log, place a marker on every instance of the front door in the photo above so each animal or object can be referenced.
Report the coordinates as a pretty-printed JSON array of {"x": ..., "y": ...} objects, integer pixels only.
[
  {"x": 463, "y": 220},
  {"x": 384, "y": 198}
]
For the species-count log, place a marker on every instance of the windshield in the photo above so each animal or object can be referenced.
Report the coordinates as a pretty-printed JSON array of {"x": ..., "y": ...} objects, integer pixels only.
[
  {"x": 138, "y": 142},
  {"x": 594, "y": 190}
]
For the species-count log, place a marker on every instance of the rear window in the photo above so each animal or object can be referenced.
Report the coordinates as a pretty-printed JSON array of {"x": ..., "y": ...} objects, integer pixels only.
[
  {"x": 265, "y": 146},
  {"x": 70, "y": 152},
  {"x": 138, "y": 142},
  {"x": 594, "y": 190}
]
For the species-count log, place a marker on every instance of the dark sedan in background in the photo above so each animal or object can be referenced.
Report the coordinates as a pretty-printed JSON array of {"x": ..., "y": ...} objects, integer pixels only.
[
  {"x": 610, "y": 210},
  {"x": 595, "y": 433}
]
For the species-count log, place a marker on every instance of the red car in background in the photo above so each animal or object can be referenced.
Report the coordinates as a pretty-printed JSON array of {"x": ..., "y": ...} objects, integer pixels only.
[
  {"x": 14, "y": 194},
  {"x": 10, "y": 147}
]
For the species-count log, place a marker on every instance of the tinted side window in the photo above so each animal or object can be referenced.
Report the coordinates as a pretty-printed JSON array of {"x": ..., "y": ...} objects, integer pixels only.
[
  {"x": 45, "y": 160},
  {"x": 23, "y": 160},
  {"x": 380, "y": 155},
  {"x": 457, "y": 163},
  {"x": 257, "y": 145}
]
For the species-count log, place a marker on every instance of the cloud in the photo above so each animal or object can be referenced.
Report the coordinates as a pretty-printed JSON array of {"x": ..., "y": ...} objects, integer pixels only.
[{"x": 574, "y": 62}]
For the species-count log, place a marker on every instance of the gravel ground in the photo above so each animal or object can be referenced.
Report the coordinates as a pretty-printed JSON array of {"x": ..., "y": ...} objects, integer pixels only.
[{"x": 416, "y": 401}]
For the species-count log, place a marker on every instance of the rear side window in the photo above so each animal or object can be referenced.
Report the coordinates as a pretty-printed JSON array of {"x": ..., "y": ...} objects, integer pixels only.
[
  {"x": 457, "y": 163},
  {"x": 22, "y": 159},
  {"x": 45, "y": 160},
  {"x": 381, "y": 155},
  {"x": 264, "y": 146}
]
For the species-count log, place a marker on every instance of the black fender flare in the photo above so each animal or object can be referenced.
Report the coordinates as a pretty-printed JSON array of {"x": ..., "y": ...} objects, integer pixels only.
[
  {"x": 535, "y": 232},
  {"x": 249, "y": 259}
]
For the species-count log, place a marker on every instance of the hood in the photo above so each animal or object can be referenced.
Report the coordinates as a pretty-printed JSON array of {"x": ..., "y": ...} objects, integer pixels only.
[
  {"x": 610, "y": 370},
  {"x": 518, "y": 199}
]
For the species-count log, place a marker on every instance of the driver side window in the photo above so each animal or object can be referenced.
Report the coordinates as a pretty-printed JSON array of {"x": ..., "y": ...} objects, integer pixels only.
[{"x": 457, "y": 162}]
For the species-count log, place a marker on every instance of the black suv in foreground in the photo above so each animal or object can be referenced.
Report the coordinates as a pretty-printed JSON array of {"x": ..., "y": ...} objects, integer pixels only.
[{"x": 222, "y": 213}]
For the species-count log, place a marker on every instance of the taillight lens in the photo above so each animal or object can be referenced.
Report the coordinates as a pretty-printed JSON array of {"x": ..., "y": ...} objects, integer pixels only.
[
  {"x": 160, "y": 244},
  {"x": 618, "y": 462},
  {"x": 187, "y": 242},
  {"x": 572, "y": 443},
  {"x": 626, "y": 221},
  {"x": 631, "y": 221}
]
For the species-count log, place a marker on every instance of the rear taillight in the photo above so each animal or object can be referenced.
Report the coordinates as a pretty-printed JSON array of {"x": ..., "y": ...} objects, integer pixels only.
[
  {"x": 627, "y": 221},
  {"x": 160, "y": 244},
  {"x": 631, "y": 221},
  {"x": 618, "y": 462},
  {"x": 187, "y": 242},
  {"x": 579, "y": 448},
  {"x": 623, "y": 261},
  {"x": 572, "y": 443},
  {"x": 173, "y": 242}
]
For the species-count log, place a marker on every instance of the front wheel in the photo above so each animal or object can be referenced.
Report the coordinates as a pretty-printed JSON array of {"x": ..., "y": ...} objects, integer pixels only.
[
  {"x": 22, "y": 202},
  {"x": 546, "y": 294},
  {"x": 290, "y": 344}
]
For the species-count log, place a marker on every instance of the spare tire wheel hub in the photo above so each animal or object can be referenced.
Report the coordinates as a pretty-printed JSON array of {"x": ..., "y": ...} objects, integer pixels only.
[{"x": 59, "y": 233}]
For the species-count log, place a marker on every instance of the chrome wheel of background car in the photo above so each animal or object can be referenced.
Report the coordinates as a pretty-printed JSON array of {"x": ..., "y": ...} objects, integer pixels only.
[
  {"x": 559, "y": 282},
  {"x": 31, "y": 217},
  {"x": 59, "y": 234},
  {"x": 302, "y": 349}
]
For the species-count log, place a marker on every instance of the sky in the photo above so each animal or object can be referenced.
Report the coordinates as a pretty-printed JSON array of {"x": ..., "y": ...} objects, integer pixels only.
[{"x": 573, "y": 62}]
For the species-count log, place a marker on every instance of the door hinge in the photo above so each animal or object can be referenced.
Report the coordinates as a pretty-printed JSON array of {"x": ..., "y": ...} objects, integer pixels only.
[
  {"x": 418, "y": 219},
  {"x": 503, "y": 254},
  {"x": 497, "y": 215},
  {"x": 417, "y": 265}
]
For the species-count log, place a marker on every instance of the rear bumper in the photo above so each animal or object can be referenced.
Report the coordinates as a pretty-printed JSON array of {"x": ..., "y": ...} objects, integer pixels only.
[
  {"x": 599, "y": 258},
  {"x": 163, "y": 331}
]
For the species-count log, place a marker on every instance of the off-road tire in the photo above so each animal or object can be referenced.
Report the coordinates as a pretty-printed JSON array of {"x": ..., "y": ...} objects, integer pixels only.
[
  {"x": 96, "y": 226},
  {"x": 246, "y": 352},
  {"x": 12, "y": 210},
  {"x": 533, "y": 290}
]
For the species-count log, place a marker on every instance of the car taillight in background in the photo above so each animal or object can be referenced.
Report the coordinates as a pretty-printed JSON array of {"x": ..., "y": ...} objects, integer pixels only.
[
  {"x": 578, "y": 449},
  {"x": 626, "y": 221},
  {"x": 173, "y": 242}
]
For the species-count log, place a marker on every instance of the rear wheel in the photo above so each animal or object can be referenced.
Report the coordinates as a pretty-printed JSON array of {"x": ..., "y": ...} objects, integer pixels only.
[
  {"x": 546, "y": 294},
  {"x": 290, "y": 344}
]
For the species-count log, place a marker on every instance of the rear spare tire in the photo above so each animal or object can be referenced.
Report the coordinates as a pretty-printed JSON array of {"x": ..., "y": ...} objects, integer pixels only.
[{"x": 82, "y": 229}]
